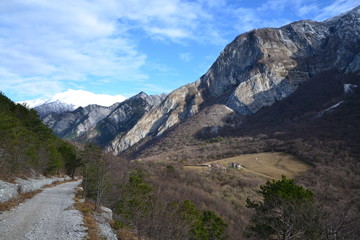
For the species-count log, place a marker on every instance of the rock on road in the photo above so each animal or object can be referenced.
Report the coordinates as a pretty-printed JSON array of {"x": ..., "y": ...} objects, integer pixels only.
[{"x": 48, "y": 215}]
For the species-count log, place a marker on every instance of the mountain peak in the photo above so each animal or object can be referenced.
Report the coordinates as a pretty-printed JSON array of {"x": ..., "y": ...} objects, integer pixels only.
[
  {"x": 77, "y": 98},
  {"x": 258, "y": 69},
  {"x": 141, "y": 95}
]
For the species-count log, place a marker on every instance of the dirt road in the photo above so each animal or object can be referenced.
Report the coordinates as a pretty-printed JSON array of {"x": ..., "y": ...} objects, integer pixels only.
[{"x": 49, "y": 215}]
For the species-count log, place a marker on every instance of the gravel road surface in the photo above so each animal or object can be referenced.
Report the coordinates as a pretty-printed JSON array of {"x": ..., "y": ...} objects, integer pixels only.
[{"x": 49, "y": 215}]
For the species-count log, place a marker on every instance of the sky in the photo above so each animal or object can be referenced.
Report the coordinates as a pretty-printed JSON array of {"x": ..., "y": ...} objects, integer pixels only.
[{"x": 122, "y": 47}]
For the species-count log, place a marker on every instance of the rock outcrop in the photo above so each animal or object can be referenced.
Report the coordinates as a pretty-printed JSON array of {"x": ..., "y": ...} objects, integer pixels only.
[{"x": 256, "y": 70}]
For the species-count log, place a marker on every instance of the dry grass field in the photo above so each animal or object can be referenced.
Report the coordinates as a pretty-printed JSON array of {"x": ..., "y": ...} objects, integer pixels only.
[{"x": 267, "y": 165}]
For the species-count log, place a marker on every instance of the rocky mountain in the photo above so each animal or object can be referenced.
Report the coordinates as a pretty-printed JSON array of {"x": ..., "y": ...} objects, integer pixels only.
[
  {"x": 72, "y": 124},
  {"x": 100, "y": 124},
  {"x": 258, "y": 69}
]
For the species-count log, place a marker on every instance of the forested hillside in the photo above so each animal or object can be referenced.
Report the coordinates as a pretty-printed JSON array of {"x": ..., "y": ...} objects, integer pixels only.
[{"x": 26, "y": 144}]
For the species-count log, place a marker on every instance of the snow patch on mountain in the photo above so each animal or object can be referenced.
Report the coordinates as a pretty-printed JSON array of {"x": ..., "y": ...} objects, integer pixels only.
[
  {"x": 319, "y": 114},
  {"x": 349, "y": 87},
  {"x": 54, "y": 107},
  {"x": 33, "y": 103},
  {"x": 76, "y": 98}
]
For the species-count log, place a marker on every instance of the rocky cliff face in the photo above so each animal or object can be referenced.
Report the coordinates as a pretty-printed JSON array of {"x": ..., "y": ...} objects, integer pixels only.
[
  {"x": 121, "y": 119},
  {"x": 73, "y": 124},
  {"x": 256, "y": 70},
  {"x": 101, "y": 124}
]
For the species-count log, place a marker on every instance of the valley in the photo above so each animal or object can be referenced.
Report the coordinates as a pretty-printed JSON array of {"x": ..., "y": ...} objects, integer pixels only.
[{"x": 202, "y": 161}]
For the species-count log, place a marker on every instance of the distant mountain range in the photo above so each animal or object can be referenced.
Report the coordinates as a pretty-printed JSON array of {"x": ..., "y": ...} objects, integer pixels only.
[
  {"x": 70, "y": 100},
  {"x": 293, "y": 89},
  {"x": 95, "y": 123},
  {"x": 302, "y": 62}
]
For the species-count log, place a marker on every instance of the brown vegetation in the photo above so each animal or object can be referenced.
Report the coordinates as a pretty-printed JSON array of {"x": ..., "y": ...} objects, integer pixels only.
[
  {"x": 330, "y": 144},
  {"x": 271, "y": 165},
  {"x": 22, "y": 197},
  {"x": 333, "y": 178},
  {"x": 87, "y": 209}
]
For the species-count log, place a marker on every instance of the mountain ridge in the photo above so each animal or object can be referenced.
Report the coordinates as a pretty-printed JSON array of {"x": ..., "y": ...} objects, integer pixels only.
[
  {"x": 70, "y": 100},
  {"x": 100, "y": 124},
  {"x": 256, "y": 70}
]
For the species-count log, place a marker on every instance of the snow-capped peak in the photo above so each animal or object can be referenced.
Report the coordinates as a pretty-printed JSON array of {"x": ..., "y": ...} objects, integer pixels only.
[
  {"x": 81, "y": 98},
  {"x": 77, "y": 98},
  {"x": 33, "y": 103}
]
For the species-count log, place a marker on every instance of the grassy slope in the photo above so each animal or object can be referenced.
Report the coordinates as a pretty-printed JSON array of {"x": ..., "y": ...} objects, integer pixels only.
[
  {"x": 267, "y": 165},
  {"x": 330, "y": 144}
]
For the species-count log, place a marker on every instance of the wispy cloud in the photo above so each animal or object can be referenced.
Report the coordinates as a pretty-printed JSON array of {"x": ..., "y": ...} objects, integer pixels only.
[
  {"x": 249, "y": 19},
  {"x": 335, "y": 8},
  {"x": 308, "y": 9},
  {"x": 275, "y": 13},
  {"x": 148, "y": 87},
  {"x": 185, "y": 57},
  {"x": 62, "y": 42},
  {"x": 48, "y": 46}
]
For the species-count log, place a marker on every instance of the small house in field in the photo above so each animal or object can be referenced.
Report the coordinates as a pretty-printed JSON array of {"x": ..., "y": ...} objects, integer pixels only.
[{"x": 235, "y": 165}]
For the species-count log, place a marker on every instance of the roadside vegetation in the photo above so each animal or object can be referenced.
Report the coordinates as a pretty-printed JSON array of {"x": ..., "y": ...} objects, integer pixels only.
[
  {"x": 26, "y": 144},
  {"x": 8, "y": 205},
  {"x": 87, "y": 209},
  {"x": 155, "y": 196},
  {"x": 159, "y": 201},
  {"x": 327, "y": 168}
]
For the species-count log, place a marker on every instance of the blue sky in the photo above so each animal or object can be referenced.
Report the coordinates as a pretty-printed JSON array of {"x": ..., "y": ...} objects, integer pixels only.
[{"x": 127, "y": 46}]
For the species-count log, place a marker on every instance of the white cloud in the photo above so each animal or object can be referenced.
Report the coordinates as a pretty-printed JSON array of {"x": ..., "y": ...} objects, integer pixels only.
[
  {"x": 161, "y": 68},
  {"x": 276, "y": 13},
  {"x": 248, "y": 19},
  {"x": 84, "y": 98},
  {"x": 63, "y": 42},
  {"x": 78, "y": 98},
  {"x": 47, "y": 46},
  {"x": 307, "y": 9},
  {"x": 56, "y": 42},
  {"x": 185, "y": 57},
  {"x": 171, "y": 33},
  {"x": 148, "y": 87},
  {"x": 336, "y": 7},
  {"x": 172, "y": 19},
  {"x": 213, "y": 3},
  {"x": 278, "y": 5}
]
